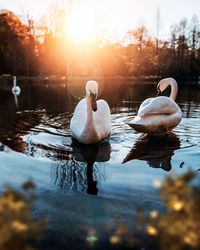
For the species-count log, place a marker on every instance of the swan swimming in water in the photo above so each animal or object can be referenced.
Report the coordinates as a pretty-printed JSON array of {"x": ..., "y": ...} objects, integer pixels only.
[
  {"x": 160, "y": 114},
  {"x": 91, "y": 121},
  {"x": 15, "y": 89}
]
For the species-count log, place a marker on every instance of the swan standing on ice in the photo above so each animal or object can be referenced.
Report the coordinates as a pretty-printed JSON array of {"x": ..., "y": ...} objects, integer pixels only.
[
  {"x": 15, "y": 89},
  {"x": 160, "y": 114},
  {"x": 91, "y": 121}
]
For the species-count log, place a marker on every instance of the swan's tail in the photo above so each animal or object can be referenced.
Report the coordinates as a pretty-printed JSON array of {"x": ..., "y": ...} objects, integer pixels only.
[
  {"x": 137, "y": 124},
  {"x": 137, "y": 127}
]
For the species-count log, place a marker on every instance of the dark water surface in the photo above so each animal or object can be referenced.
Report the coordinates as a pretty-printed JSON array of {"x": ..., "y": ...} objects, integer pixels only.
[{"x": 83, "y": 189}]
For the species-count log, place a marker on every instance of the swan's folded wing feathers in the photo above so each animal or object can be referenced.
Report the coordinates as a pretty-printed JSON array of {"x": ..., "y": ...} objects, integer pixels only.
[
  {"x": 80, "y": 108},
  {"x": 103, "y": 109},
  {"x": 102, "y": 117},
  {"x": 145, "y": 102},
  {"x": 159, "y": 105},
  {"x": 78, "y": 120}
]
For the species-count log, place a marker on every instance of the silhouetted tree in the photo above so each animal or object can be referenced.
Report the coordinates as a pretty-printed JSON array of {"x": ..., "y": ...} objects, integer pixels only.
[
  {"x": 16, "y": 45},
  {"x": 194, "y": 39},
  {"x": 111, "y": 61}
]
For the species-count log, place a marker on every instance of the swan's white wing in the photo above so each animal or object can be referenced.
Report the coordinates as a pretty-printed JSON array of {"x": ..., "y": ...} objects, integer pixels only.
[
  {"x": 159, "y": 123},
  {"x": 159, "y": 105},
  {"x": 78, "y": 120},
  {"x": 145, "y": 102},
  {"x": 102, "y": 118}
]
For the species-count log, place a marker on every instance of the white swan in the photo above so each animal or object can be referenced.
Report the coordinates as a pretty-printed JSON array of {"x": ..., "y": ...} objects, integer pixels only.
[
  {"x": 91, "y": 121},
  {"x": 160, "y": 114},
  {"x": 15, "y": 89}
]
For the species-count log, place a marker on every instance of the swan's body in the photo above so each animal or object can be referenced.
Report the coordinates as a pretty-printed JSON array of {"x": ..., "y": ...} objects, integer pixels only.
[
  {"x": 87, "y": 126},
  {"x": 15, "y": 89},
  {"x": 160, "y": 114}
]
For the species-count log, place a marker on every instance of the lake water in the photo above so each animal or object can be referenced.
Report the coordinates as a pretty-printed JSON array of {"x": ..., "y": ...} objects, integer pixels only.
[{"x": 84, "y": 189}]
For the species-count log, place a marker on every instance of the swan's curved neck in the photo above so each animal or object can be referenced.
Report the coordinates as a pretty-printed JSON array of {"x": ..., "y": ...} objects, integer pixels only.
[
  {"x": 89, "y": 108},
  {"x": 174, "y": 90},
  {"x": 89, "y": 121},
  {"x": 89, "y": 132},
  {"x": 14, "y": 82}
]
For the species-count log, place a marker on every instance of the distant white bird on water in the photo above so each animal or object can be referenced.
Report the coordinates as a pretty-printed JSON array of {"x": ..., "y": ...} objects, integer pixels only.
[
  {"x": 15, "y": 89},
  {"x": 160, "y": 114},
  {"x": 91, "y": 121}
]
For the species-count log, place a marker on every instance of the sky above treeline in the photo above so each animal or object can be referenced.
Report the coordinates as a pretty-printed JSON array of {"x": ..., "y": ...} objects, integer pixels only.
[{"x": 118, "y": 15}]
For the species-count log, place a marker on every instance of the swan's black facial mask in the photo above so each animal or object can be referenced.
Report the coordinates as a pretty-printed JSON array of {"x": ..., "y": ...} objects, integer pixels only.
[
  {"x": 93, "y": 98},
  {"x": 158, "y": 91}
]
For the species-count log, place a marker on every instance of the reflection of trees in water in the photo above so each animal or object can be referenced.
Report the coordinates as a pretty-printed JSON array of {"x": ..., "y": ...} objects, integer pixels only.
[
  {"x": 38, "y": 105},
  {"x": 67, "y": 173},
  {"x": 188, "y": 99},
  {"x": 157, "y": 151},
  {"x": 78, "y": 176},
  {"x": 14, "y": 126},
  {"x": 56, "y": 153},
  {"x": 81, "y": 171}
]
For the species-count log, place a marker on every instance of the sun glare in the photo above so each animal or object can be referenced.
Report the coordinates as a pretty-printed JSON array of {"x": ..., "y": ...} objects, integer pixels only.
[
  {"x": 87, "y": 19},
  {"x": 82, "y": 26}
]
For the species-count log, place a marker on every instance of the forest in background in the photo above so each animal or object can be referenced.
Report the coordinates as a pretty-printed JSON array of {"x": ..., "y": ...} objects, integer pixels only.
[{"x": 31, "y": 49}]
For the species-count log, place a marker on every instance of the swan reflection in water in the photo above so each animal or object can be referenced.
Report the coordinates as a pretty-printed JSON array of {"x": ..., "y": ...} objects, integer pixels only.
[
  {"x": 157, "y": 151},
  {"x": 80, "y": 172},
  {"x": 16, "y": 100}
]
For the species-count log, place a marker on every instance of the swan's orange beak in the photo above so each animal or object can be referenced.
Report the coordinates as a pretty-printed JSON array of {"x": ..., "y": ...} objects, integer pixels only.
[
  {"x": 94, "y": 104},
  {"x": 93, "y": 98}
]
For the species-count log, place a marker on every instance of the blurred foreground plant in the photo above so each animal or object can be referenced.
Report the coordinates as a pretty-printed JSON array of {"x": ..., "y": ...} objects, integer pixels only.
[
  {"x": 178, "y": 228},
  {"x": 17, "y": 227}
]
